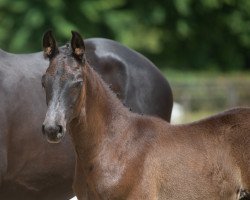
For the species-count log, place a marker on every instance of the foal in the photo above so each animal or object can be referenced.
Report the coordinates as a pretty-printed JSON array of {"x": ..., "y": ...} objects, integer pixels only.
[{"x": 122, "y": 155}]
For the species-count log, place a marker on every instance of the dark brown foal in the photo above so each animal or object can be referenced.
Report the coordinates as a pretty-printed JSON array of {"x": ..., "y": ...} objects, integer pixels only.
[{"x": 122, "y": 155}]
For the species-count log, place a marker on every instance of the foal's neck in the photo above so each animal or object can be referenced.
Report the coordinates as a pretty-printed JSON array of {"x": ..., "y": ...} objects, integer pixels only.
[{"x": 99, "y": 116}]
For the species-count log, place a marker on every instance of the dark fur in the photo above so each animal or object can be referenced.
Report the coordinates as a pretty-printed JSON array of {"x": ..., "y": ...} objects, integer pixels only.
[{"x": 30, "y": 168}]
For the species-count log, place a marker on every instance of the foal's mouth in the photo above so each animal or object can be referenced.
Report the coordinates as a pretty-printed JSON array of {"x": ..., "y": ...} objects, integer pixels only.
[{"x": 55, "y": 139}]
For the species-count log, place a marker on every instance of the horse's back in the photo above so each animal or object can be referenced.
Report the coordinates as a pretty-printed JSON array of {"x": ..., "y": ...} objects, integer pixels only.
[{"x": 144, "y": 89}]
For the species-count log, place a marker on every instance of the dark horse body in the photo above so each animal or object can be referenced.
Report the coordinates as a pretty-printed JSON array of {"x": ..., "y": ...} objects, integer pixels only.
[
  {"x": 30, "y": 168},
  {"x": 123, "y": 155}
]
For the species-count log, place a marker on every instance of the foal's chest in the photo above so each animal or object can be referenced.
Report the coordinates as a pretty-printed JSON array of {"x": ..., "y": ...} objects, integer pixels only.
[{"x": 106, "y": 181}]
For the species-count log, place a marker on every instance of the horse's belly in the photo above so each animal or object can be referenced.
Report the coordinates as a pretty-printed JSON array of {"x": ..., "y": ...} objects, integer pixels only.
[{"x": 14, "y": 191}]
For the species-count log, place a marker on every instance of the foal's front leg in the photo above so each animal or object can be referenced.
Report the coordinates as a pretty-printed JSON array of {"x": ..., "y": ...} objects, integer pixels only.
[
  {"x": 79, "y": 185},
  {"x": 145, "y": 191},
  {"x": 139, "y": 195}
]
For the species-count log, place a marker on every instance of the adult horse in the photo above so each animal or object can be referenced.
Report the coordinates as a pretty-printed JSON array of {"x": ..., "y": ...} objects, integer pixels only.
[
  {"x": 30, "y": 168},
  {"x": 123, "y": 155}
]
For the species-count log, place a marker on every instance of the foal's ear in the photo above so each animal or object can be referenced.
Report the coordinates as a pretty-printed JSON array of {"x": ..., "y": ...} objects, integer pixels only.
[
  {"x": 49, "y": 45},
  {"x": 77, "y": 45}
]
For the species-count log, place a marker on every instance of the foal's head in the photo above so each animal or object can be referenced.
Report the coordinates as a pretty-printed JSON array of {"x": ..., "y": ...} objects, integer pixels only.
[{"x": 63, "y": 84}]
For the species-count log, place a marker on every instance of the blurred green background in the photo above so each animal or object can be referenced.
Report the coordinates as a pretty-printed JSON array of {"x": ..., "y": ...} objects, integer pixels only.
[{"x": 202, "y": 46}]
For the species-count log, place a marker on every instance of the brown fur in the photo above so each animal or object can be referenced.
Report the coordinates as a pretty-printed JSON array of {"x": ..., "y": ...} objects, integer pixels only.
[{"x": 121, "y": 155}]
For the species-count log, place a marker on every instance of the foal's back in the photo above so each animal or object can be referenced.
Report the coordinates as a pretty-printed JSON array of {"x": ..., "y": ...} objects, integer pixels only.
[{"x": 208, "y": 159}]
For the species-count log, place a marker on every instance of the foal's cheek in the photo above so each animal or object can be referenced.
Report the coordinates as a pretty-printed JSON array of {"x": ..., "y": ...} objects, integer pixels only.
[
  {"x": 73, "y": 107},
  {"x": 74, "y": 102}
]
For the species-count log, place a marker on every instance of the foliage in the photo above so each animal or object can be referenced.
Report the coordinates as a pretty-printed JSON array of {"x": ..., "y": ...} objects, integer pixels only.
[{"x": 182, "y": 34}]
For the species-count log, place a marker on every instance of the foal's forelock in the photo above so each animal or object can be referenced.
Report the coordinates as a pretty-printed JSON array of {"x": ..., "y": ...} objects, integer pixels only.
[{"x": 64, "y": 63}]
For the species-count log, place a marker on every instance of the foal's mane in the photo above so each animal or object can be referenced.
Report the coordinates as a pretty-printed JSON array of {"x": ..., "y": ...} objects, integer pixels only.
[{"x": 96, "y": 81}]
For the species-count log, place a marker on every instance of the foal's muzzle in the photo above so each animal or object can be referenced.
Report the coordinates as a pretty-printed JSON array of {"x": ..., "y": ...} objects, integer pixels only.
[{"x": 53, "y": 132}]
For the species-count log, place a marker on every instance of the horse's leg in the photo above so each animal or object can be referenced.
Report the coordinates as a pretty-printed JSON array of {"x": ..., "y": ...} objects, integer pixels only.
[
  {"x": 79, "y": 185},
  {"x": 146, "y": 189},
  {"x": 143, "y": 194}
]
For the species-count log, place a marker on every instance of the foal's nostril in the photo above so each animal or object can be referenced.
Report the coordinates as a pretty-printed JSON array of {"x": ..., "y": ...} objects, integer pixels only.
[
  {"x": 43, "y": 129},
  {"x": 60, "y": 129},
  {"x": 53, "y": 132},
  {"x": 52, "y": 129}
]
